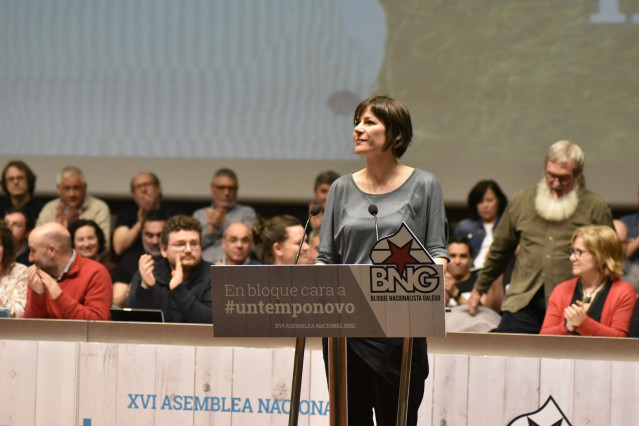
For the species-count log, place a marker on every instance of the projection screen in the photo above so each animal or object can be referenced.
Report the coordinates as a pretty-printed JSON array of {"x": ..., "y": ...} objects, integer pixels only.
[{"x": 269, "y": 87}]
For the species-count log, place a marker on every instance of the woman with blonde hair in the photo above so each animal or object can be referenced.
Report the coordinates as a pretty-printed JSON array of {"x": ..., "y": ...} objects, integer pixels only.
[{"x": 596, "y": 302}]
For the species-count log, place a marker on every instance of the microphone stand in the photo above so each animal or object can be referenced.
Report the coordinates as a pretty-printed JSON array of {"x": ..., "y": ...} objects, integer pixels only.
[
  {"x": 372, "y": 209},
  {"x": 407, "y": 357},
  {"x": 300, "y": 344}
]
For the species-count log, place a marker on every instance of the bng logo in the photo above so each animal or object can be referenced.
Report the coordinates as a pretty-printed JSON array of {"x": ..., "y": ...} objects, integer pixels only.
[{"x": 402, "y": 263}]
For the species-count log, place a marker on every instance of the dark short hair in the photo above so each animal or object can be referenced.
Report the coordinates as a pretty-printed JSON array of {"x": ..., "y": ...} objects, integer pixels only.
[
  {"x": 476, "y": 194},
  {"x": 29, "y": 220},
  {"x": 21, "y": 165},
  {"x": 396, "y": 118},
  {"x": 158, "y": 215},
  {"x": 267, "y": 233},
  {"x": 461, "y": 240},
  {"x": 98, "y": 231},
  {"x": 8, "y": 247},
  {"x": 224, "y": 172},
  {"x": 328, "y": 176},
  {"x": 177, "y": 223}
]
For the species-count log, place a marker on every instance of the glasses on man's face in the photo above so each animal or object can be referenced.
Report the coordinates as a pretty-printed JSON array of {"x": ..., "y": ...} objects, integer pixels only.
[
  {"x": 181, "y": 245},
  {"x": 225, "y": 188},
  {"x": 234, "y": 240},
  {"x": 143, "y": 185},
  {"x": 577, "y": 252},
  {"x": 563, "y": 179},
  {"x": 20, "y": 178}
]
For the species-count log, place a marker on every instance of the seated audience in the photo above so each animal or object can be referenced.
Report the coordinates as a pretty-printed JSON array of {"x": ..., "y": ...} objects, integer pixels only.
[
  {"x": 18, "y": 182},
  {"x": 223, "y": 211},
  {"x": 487, "y": 203},
  {"x": 73, "y": 203},
  {"x": 596, "y": 302},
  {"x": 631, "y": 249},
  {"x": 180, "y": 283},
  {"x": 237, "y": 243},
  {"x": 278, "y": 240},
  {"x": 323, "y": 182},
  {"x": 126, "y": 267},
  {"x": 459, "y": 280},
  {"x": 146, "y": 191},
  {"x": 88, "y": 240},
  {"x": 20, "y": 223},
  {"x": 13, "y": 276},
  {"x": 63, "y": 284}
]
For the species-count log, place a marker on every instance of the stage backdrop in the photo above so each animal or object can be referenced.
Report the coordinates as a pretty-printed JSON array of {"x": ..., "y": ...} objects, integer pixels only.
[
  {"x": 269, "y": 89},
  {"x": 90, "y": 384}
]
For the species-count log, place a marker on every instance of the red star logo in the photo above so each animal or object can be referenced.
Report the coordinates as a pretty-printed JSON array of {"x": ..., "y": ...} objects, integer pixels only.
[{"x": 400, "y": 256}]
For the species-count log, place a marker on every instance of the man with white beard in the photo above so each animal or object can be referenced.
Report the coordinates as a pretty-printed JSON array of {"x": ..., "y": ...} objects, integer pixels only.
[{"x": 540, "y": 221}]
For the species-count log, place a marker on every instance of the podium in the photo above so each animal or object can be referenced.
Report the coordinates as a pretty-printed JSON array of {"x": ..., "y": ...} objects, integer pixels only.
[{"x": 400, "y": 295}]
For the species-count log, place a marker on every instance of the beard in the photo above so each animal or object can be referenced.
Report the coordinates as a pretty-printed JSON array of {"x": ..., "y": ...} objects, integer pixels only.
[
  {"x": 152, "y": 250},
  {"x": 552, "y": 208}
]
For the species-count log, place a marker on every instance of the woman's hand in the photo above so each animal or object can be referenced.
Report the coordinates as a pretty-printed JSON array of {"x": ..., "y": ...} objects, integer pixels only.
[{"x": 575, "y": 314}]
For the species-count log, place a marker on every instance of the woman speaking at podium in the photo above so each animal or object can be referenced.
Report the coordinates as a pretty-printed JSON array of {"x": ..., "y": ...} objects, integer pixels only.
[{"x": 394, "y": 193}]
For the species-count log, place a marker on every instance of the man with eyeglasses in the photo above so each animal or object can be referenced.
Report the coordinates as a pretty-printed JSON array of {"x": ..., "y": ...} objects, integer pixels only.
[
  {"x": 74, "y": 203},
  {"x": 146, "y": 192},
  {"x": 18, "y": 182},
  {"x": 180, "y": 282},
  {"x": 223, "y": 211},
  {"x": 237, "y": 244},
  {"x": 537, "y": 225}
]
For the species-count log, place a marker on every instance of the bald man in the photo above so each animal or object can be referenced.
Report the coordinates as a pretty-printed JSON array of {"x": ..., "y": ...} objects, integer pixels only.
[
  {"x": 63, "y": 284},
  {"x": 237, "y": 243}
]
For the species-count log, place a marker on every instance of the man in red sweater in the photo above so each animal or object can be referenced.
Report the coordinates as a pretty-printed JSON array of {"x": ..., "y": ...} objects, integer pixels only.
[{"x": 63, "y": 284}]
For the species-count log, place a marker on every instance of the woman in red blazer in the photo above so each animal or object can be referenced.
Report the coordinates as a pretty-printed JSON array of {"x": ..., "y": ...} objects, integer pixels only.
[{"x": 596, "y": 302}]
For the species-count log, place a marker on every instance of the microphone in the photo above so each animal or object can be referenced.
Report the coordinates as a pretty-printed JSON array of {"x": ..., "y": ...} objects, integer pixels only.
[
  {"x": 372, "y": 209},
  {"x": 314, "y": 211}
]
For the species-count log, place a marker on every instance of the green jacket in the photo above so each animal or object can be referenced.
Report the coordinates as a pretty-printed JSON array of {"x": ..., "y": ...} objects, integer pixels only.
[{"x": 544, "y": 246}]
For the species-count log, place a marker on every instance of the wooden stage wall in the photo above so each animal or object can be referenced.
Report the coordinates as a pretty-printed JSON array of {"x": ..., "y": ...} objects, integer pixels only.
[{"x": 89, "y": 374}]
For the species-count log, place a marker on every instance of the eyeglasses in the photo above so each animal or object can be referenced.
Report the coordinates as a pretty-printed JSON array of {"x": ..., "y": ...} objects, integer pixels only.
[
  {"x": 143, "y": 185},
  {"x": 225, "y": 188},
  {"x": 563, "y": 179},
  {"x": 578, "y": 253},
  {"x": 234, "y": 240},
  {"x": 181, "y": 245},
  {"x": 20, "y": 178}
]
